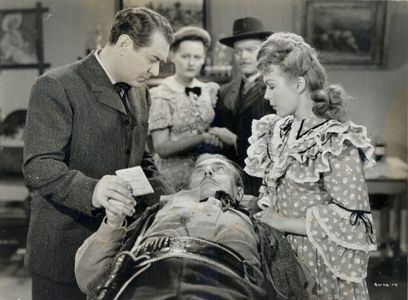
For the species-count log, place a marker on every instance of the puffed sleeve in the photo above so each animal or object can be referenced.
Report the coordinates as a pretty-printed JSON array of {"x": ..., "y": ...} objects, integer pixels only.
[
  {"x": 257, "y": 160},
  {"x": 260, "y": 158},
  {"x": 212, "y": 89},
  {"x": 342, "y": 232},
  {"x": 160, "y": 116}
]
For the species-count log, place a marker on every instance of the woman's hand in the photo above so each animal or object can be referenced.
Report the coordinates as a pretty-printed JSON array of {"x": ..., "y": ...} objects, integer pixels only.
[
  {"x": 166, "y": 148},
  {"x": 284, "y": 224},
  {"x": 225, "y": 135},
  {"x": 271, "y": 218},
  {"x": 211, "y": 139}
]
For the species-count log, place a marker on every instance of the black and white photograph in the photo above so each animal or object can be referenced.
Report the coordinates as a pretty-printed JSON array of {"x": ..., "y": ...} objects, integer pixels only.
[{"x": 203, "y": 149}]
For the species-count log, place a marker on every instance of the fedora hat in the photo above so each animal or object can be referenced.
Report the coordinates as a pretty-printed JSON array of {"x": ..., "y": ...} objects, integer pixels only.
[{"x": 246, "y": 28}]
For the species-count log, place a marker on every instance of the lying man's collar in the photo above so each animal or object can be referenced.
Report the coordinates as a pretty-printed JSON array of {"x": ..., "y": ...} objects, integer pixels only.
[{"x": 227, "y": 202}]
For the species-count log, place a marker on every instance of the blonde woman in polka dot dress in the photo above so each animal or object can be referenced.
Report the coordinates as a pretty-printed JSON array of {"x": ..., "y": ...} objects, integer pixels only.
[
  {"x": 183, "y": 108},
  {"x": 311, "y": 161}
]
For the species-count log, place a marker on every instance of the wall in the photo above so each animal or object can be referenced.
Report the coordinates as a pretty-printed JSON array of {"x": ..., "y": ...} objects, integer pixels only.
[
  {"x": 380, "y": 95},
  {"x": 66, "y": 28}
]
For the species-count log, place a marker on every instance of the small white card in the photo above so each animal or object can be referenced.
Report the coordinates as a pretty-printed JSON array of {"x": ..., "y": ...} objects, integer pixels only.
[{"x": 137, "y": 180}]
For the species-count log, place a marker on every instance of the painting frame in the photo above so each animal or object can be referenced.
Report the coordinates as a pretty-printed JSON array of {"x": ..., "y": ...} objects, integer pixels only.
[
  {"x": 184, "y": 9},
  {"x": 21, "y": 38},
  {"x": 347, "y": 33}
]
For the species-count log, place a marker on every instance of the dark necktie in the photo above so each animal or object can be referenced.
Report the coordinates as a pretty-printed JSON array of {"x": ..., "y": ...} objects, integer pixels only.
[
  {"x": 247, "y": 85},
  {"x": 196, "y": 90},
  {"x": 123, "y": 90}
]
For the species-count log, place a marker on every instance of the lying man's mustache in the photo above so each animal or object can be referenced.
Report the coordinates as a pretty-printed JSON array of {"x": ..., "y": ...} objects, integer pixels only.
[{"x": 208, "y": 179}]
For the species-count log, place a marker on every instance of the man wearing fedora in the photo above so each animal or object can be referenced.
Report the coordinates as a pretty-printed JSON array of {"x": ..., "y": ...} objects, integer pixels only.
[{"x": 242, "y": 99}]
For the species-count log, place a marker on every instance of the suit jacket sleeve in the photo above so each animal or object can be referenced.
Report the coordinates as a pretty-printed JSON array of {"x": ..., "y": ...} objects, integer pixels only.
[
  {"x": 96, "y": 254},
  {"x": 224, "y": 117},
  {"x": 46, "y": 150}
]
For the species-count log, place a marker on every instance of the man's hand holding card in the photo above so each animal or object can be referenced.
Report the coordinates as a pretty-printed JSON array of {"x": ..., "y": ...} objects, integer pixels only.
[
  {"x": 139, "y": 185},
  {"x": 137, "y": 180}
]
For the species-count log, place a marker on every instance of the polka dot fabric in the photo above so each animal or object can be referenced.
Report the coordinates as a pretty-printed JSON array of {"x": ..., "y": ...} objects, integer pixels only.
[
  {"x": 313, "y": 169},
  {"x": 184, "y": 117}
]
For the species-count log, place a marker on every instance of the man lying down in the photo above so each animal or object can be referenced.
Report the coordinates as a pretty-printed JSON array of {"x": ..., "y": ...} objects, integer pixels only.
[{"x": 196, "y": 244}]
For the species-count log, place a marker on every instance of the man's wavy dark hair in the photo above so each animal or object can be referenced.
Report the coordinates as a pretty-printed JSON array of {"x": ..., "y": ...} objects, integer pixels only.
[{"x": 139, "y": 24}]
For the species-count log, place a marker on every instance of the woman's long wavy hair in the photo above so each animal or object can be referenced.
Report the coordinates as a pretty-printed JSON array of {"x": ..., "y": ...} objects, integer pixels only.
[{"x": 298, "y": 59}]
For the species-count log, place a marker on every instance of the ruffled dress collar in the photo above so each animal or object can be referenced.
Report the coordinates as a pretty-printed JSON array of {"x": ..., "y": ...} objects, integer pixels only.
[{"x": 277, "y": 143}]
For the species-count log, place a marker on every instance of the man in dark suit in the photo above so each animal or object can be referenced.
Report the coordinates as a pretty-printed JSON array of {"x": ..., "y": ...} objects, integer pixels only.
[
  {"x": 242, "y": 99},
  {"x": 85, "y": 121}
]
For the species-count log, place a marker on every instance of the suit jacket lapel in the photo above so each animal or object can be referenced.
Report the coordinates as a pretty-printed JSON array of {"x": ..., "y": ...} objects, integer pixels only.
[
  {"x": 232, "y": 97},
  {"x": 137, "y": 105},
  {"x": 100, "y": 84},
  {"x": 139, "y": 108},
  {"x": 256, "y": 93},
  {"x": 111, "y": 99}
]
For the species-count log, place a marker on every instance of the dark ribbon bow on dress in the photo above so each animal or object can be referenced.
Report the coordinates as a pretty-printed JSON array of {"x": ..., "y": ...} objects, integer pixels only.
[
  {"x": 196, "y": 90},
  {"x": 284, "y": 134},
  {"x": 285, "y": 128},
  {"x": 358, "y": 216}
]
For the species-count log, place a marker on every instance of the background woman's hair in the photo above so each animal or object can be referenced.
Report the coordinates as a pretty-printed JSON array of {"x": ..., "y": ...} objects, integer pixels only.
[
  {"x": 175, "y": 45},
  {"x": 191, "y": 33},
  {"x": 298, "y": 59}
]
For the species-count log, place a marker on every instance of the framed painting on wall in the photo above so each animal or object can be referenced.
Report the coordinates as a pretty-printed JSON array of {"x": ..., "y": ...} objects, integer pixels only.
[
  {"x": 346, "y": 32},
  {"x": 178, "y": 12},
  {"x": 21, "y": 39}
]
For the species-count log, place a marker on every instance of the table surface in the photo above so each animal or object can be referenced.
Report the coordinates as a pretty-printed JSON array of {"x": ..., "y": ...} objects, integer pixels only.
[
  {"x": 390, "y": 167},
  {"x": 387, "y": 177}
]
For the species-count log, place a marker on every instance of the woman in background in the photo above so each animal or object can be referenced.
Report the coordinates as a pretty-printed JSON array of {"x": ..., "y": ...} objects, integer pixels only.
[
  {"x": 182, "y": 108},
  {"x": 311, "y": 162}
]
